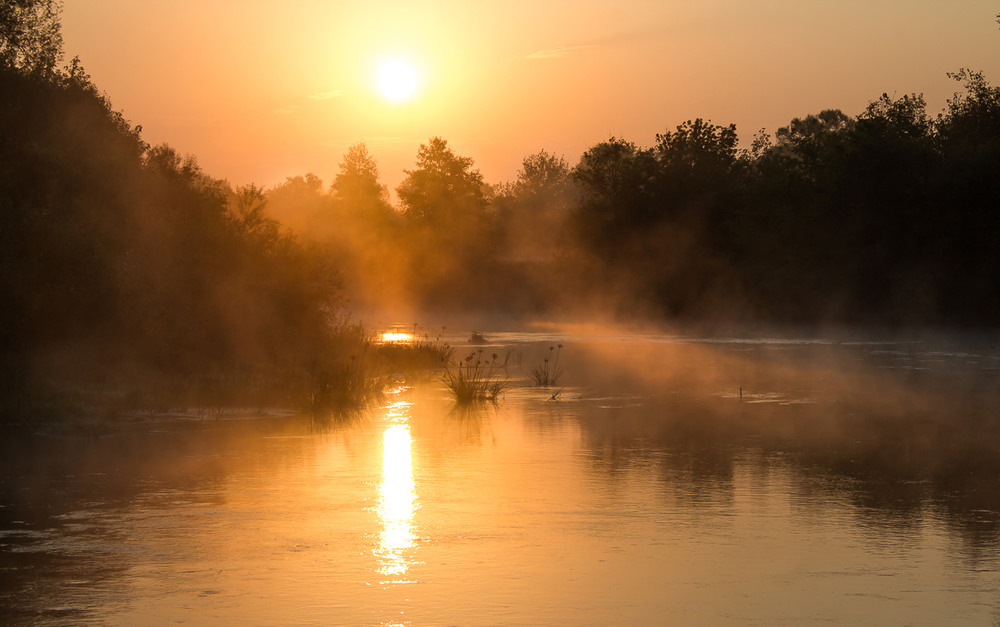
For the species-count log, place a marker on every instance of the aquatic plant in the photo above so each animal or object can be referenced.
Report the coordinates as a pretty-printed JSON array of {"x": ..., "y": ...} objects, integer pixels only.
[
  {"x": 547, "y": 373},
  {"x": 475, "y": 379},
  {"x": 347, "y": 386}
]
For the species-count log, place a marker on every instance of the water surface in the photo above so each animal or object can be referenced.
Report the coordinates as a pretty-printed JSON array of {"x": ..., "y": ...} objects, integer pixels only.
[{"x": 670, "y": 481}]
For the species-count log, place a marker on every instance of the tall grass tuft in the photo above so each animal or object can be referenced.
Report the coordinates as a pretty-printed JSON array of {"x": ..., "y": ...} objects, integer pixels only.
[
  {"x": 347, "y": 387},
  {"x": 547, "y": 373},
  {"x": 475, "y": 379}
]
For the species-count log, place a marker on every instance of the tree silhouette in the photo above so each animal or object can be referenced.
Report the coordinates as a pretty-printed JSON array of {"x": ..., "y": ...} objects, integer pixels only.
[
  {"x": 357, "y": 182},
  {"x": 444, "y": 189},
  {"x": 616, "y": 180},
  {"x": 30, "y": 37}
]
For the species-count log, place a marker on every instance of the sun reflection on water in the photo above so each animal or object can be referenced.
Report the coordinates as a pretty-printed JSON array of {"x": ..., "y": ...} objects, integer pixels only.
[
  {"x": 396, "y": 337},
  {"x": 397, "y": 494}
]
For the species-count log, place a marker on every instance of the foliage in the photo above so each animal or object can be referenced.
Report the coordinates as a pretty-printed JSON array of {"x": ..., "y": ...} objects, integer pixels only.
[
  {"x": 357, "y": 182},
  {"x": 444, "y": 189},
  {"x": 616, "y": 182},
  {"x": 449, "y": 229},
  {"x": 117, "y": 255},
  {"x": 697, "y": 145},
  {"x": 30, "y": 37}
]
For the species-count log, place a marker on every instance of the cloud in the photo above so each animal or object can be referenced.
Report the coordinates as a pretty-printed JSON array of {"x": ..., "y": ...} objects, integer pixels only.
[
  {"x": 613, "y": 39},
  {"x": 327, "y": 95},
  {"x": 284, "y": 111},
  {"x": 556, "y": 53}
]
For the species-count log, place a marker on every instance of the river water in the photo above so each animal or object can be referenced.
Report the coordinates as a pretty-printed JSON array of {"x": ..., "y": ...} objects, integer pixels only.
[{"x": 669, "y": 480}]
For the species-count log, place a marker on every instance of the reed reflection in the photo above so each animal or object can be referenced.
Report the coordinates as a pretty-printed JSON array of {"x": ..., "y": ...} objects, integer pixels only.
[{"x": 397, "y": 494}]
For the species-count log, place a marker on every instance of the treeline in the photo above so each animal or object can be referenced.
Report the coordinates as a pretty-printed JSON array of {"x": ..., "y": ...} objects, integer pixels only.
[
  {"x": 118, "y": 258},
  {"x": 123, "y": 266},
  {"x": 888, "y": 217}
]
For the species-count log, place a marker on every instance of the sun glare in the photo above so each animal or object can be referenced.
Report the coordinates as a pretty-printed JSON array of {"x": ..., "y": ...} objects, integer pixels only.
[
  {"x": 397, "y": 80},
  {"x": 396, "y": 337}
]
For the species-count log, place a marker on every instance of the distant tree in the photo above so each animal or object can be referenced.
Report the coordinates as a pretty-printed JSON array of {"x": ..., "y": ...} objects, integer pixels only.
[
  {"x": 697, "y": 145},
  {"x": 248, "y": 210},
  {"x": 357, "y": 182},
  {"x": 616, "y": 182},
  {"x": 30, "y": 36},
  {"x": 972, "y": 116},
  {"x": 450, "y": 229},
  {"x": 968, "y": 194},
  {"x": 301, "y": 204},
  {"x": 359, "y": 197},
  {"x": 891, "y": 154},
  {"x": 164, "y": 160},
  {"x": 807, "y": 142},
  {"x": 543, "y": 175},
  {"x": 533, "y": 209},
  {"x": 444, "y": 188},
  {"x": 696, "y": 170}
]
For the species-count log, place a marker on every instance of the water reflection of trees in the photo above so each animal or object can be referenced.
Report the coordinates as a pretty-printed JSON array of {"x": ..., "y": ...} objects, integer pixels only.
[
  {"x": 68, "y": 498},
  {"x": 896, "y": 471}
]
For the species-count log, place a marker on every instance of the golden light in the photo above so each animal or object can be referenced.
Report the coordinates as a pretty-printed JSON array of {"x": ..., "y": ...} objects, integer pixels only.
[
  {"x": 396, "y": 337},
  {"x": 397, "y": 493},
  {"x": 397, "y": 80}
]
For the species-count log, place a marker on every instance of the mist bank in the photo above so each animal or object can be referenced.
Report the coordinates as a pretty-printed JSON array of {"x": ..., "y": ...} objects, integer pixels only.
[
  {"x": 125, "y": 265},
  {"x": 883, "y": 219},
  {"x": 130, "y": 277}
]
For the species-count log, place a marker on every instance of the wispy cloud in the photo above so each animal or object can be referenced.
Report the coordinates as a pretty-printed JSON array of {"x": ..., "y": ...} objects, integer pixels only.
[
  {"x": 284, "y": 111},
  {"x": 556, "y": 53},
  {"x": 613, "y": 39},
  {"x": 327, "y": 95}
]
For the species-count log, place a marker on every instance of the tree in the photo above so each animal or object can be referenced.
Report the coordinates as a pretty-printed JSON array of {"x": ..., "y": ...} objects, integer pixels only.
[
  {"x": 450, "y": 236},
  {"x": 358, "y": 195},
  {"x": 696, "y": 163},
  {"x": 697, "y": 145},
  {"x": 248, "y": 211},
  {"x": 808, "y": 141},
  {"x": 532, "y": 210},
  {"x": 542, "y": 175},
  {"x": 444, "y": 188},
  {"x": 357, "y": 182},
  {"x": 301, "y": 205},
  {"x": 616, "y": 183},
  {"x": 30, "y": 36}
]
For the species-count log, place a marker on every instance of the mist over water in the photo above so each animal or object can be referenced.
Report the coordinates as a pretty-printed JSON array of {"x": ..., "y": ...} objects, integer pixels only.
[
  {"x": 852, "y": 481},
  {"x": 215, "y": 407}
]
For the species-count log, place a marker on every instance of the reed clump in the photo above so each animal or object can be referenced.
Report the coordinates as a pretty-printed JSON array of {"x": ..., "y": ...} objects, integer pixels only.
[
  {"x": 350, "y": 386},
  {"x": 475, "y": 379},
  {"x": 547, "y": 373}
]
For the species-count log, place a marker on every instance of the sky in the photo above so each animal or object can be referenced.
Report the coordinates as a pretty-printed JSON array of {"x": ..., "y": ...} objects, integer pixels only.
[{"x": 261, "y": 90}]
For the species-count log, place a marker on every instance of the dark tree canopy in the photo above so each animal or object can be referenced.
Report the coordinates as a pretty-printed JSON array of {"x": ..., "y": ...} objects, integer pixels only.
[
  {"x": 30, "y": 36},
  {"x": 442, "y": 187}
]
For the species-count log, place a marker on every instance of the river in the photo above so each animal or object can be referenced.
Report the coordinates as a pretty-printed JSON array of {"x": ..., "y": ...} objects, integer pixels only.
[{"x": 667, "y": 480}]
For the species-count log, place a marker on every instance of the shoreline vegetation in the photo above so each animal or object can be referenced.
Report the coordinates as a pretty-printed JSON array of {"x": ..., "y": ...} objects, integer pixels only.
[{"x": 132, "y": 278}]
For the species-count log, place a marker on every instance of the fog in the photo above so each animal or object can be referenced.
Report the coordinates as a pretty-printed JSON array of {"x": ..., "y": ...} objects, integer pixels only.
[{"x": 128, "y": 262}]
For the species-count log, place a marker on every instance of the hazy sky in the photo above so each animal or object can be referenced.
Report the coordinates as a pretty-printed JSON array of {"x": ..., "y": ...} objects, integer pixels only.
[{"x": 259, "y": 90}]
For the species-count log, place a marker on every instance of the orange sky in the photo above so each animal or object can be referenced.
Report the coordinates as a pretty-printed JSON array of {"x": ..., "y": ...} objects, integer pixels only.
[{"x": 259, "y": 90}]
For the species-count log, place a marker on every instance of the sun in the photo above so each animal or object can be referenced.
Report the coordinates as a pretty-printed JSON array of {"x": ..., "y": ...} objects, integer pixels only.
[{"x": 397, "y": 80}]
